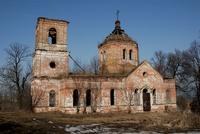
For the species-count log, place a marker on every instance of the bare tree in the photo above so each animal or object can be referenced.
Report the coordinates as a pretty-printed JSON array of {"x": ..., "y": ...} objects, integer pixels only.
[
  {"x": 94, "y": 65},
  {"x": 191, "y": 70},
  {"x": 173, "y": 66},
  {"x": 159, "y": 61},
  {"x": 37, "y": 96},
  {"x": 128, "y": 91},
  {"x": 129, "y": 94},
  {"x": 13, "y": 72}
]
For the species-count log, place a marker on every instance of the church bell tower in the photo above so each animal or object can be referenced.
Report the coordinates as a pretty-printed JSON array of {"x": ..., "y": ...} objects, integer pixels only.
[{"x": 51, "y": 56}]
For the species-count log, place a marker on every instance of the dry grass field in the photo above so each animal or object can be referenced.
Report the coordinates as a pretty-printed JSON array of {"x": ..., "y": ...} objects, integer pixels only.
[{"x": 52, "y": 123}]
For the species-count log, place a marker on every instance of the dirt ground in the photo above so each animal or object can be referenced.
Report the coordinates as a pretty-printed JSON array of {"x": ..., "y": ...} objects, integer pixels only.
[{"x": 53, "y": 123}]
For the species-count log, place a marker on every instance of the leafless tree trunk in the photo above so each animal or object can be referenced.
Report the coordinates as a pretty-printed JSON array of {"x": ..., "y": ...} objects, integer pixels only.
[
  {"x": 128, "y": 91},
  {"x": 37, "y": 96},
  {"x": 94, "y": 65}
]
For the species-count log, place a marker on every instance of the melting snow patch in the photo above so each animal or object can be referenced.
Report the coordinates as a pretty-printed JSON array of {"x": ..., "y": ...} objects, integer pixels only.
[
  {"x": 60, "y": 127},
  {"x": 83, "y": 129},
  {"x": 50, "y": 122},
  {"x": 101, "y": 129}
]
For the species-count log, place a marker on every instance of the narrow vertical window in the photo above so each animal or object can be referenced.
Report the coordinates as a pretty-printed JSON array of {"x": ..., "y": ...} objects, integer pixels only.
[
  {"x": 75, "y": 98},
  {"x": 124, "y": 53},
  {"x": 167, "y": 96},
  {"x": 112, "y": 97},
  {"x": 136, "y": 98},
  {"x": 52, "y": 98},
  {"x": 130, "y": 54},
  {"x": 52, "y": 36},
  {"x": 104, "y": 56},
  {"x": 154, "y": 96},
  {"x": 88, "y": 97},
  {"x": 101, "y": 56}
]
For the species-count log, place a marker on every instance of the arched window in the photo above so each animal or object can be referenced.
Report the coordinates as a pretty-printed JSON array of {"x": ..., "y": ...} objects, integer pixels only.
[
  {"x": 101, "y": 56},
  {"x": 112, "y": 97},
  {"x": 104, "y": 56},
  {"x": 130, "y": 54},
  {"x": 124, "y": 53},
  {"x": 75, "y": 97},
  {"x": 154, "y": 96},
  {"x": 136, "y": 97},
  {"x": 52, "y": 98},
  {"x": 145, "y": 91},
  {"x": 52, "y": 36},
  {"x": 136, "y": 91},
  {"x": 88, "y": 97},
  {"x": 167, "y": 96}
]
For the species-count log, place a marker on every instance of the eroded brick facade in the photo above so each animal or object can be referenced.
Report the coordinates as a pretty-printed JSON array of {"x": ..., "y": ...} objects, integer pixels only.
[{"x": 122, "y": 84}]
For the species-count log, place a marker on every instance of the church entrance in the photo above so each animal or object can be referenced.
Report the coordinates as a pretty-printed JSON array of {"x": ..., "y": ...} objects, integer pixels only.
[{"x": 146, "y": 101}]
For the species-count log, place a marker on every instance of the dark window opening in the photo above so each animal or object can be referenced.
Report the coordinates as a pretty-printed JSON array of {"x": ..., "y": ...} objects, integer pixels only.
[
  {"x": 136, "y": 91},
  {"x": 112, "y": 97},
  {"x": 75, "y": 98},
  {"x": 154, "y": 96},
  {"x": 52, "y": 98},
  {"x": 52, "y": 36},
  {"x": 144, "y": 74},
  {"x": 130, "y": 54},
  {"x": 101, "y": 56},
  {"x": 145, "y": 91},
  {"x": 88, "y": 97},
  {"x": 104, "y": 56},
  {"x": 124, "y": 53},
  {"x": 52, "y": 64}
]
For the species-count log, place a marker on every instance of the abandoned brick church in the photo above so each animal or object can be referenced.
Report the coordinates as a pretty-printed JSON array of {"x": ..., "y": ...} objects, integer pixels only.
[{"x": 122, "y": 84}]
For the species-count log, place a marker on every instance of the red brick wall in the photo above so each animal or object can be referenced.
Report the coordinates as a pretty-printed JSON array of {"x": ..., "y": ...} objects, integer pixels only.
[{"x": 114, "y": 62}]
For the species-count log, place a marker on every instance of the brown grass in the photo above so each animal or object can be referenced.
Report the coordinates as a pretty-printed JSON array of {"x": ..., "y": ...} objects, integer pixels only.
[{"x": 55, "y": 122}]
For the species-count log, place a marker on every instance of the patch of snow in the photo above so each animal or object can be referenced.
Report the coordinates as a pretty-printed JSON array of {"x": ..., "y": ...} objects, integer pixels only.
[
  {"x": 101, "y": 129},
  {"x": 50, "y": 122},
  {"x": 72, "y": 129},
  {"x": 60, "y": 127}
]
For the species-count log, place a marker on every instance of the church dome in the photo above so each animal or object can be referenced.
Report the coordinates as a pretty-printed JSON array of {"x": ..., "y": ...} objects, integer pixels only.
[{"x": 118, "y": 35}]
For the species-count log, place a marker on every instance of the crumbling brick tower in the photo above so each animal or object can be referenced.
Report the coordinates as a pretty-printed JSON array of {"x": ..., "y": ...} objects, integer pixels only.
[
  {"x": 50, "y": 60},
  {"x": 118, "y": 54}
]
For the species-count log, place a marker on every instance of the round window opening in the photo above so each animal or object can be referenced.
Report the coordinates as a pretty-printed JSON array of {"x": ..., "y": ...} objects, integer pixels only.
[
  {"x": 144, "y": 74},
  {"x": 52, "y": 64}
]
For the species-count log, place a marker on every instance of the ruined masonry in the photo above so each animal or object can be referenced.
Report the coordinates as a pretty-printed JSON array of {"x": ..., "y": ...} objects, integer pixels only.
[{"x": 123, "y": 84}]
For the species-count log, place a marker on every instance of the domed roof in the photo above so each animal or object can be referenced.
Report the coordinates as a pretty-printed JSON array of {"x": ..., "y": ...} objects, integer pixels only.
[{"x": 118, "y": 34}]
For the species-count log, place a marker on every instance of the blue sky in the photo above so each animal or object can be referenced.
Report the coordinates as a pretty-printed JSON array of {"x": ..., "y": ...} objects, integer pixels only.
[{"x": 155, "y": 24}]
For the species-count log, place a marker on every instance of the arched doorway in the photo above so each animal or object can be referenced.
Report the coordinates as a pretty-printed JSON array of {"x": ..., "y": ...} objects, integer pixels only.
[
  {"x": 146, "y": 100},
  {"x": 75, "y": 98},
  {"x": 88, "y": 97},
  {"x": 112, "y": 97}
]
